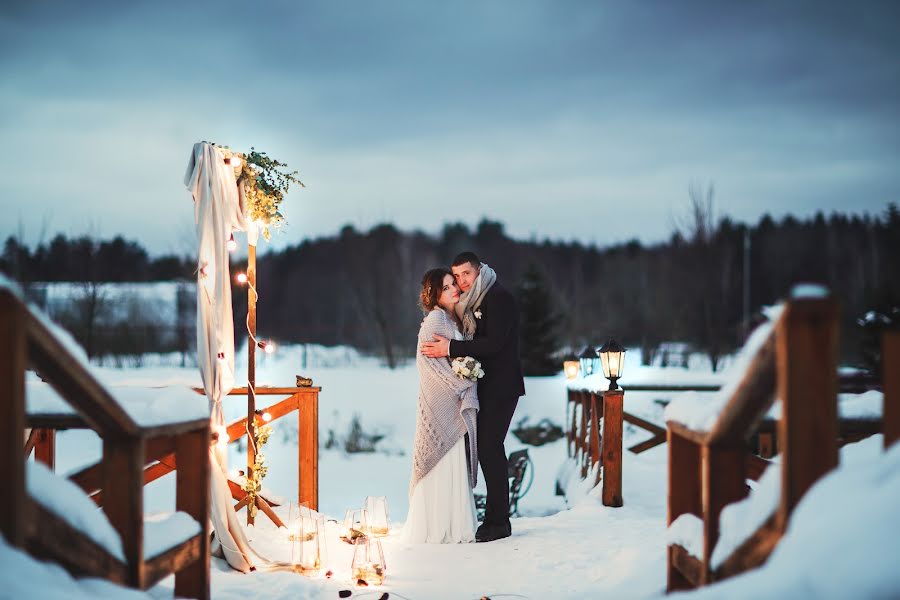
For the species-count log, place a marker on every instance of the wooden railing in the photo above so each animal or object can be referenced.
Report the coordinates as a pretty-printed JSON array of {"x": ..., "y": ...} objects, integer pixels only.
[
  {"x": 159, "y": 461},
  {"x": 708, "y": 469},
  {"x": 594, "y": 435},
  {"x": 25, "y": 342}
]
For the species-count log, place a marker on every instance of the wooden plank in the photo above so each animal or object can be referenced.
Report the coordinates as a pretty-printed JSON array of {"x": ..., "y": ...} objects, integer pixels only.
[
  {"x": 611, "y": 492},
  {"x": 45, "y": 448},
  {"x": 123, "y": 482},
  {"x": 755, "y": 466},
  {"x": 56, "y": 421},
  {"x": 766, "y": 445},
  {"x": 685, "y": 570},
  {"x": 643, "y": 424},
  {"x": 753, "y": 552},
  {"x": 684, "y": 496},
  {"x": 723, "y": 482},
  {"x": 308, "y": 451},
  {"x": 237, "y": 429},
  {"x": 890, "y": 369},
  {"x": 273, "y": 391},
  {"x": 807, "y": 432},
  {"x": 174, "y": 560},
  {"x": 653, "y": 442},
  {"x": 750, "y": 401},
  {"x": 56, "y": 365},
  {"x": 30, "y": 442},
  {"x": 698, "y": 437},
  {"x": 79, "y": 555},
  {"x": 264, "y": 506},
  {"x": 12, "y": 418},
  {"x": 570, "y": 431},
  {"x": 192, "y": 496}
]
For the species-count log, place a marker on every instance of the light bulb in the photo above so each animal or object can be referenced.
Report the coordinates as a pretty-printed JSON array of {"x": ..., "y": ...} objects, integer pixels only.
[
  {"x": 267, "y": 416},
  {"x": 235, "y": 161},
  {"x": 241, "y": 278},
  {"x": 270, "y": 347},
  {"x": 231, "y": 245}
]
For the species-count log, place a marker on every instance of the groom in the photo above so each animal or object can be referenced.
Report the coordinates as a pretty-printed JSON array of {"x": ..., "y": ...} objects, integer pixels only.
[{"x": 490, "y": 320}]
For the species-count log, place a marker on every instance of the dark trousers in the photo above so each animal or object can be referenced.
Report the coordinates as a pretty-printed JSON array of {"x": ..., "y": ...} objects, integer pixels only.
[{"x": 494, "y": 417}]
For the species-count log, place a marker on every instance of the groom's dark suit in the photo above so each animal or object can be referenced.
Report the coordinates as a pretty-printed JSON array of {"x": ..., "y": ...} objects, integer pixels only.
[{"x": 496, "y": 346}]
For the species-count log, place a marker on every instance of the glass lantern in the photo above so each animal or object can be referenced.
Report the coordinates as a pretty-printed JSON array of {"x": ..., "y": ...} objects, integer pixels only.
[
  {"x": 308, "y": 548},
  {"x": 571, "y": 367},
  {"x": 612, "y": 357},
  {"x": 377, "y": 513},
  {"x": 355, "y": 525},
  {"x": 589, "y": 361},
  {"x": 368, "y": 566}
]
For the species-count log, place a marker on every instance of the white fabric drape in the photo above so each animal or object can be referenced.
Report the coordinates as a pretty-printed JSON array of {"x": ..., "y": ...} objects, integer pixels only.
[{"x": 217, "y": 212}]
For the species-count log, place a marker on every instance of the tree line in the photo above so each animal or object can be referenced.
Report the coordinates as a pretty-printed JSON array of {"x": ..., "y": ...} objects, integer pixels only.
[{"x": 705, "y": 285}]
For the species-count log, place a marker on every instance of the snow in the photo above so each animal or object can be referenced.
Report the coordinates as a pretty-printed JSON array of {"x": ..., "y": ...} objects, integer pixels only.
[
  {"x": 147, "y": 406},
  {"x": 25, "y": 577},
  {"x": 809, "y": 291},
  {"x": 687, "y": 532},
  {"x": 740, "y": 520},
  {"x": 67, "y": 501},
  {"x": 843, "y": 539},
  {"x": 700, "y": 414},
  {"x": 559, "y": 549},
  {"x": 868, "y": 405},
  {"x": 165, "y": 531}
]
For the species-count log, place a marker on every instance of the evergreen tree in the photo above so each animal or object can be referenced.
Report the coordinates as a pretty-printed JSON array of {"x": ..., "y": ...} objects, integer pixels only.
[{"x": 539, "y": 322}]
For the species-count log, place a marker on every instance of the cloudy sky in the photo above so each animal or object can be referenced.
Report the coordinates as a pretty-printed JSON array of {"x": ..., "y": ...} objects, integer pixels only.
[{"x": 569, "y": 120}]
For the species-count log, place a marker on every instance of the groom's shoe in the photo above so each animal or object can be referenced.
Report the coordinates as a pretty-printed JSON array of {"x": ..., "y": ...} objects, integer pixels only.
[{"x": 489, "y": 533}]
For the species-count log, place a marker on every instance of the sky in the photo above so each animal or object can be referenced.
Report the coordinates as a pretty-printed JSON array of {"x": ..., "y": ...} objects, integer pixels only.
[{"x": 576, "y": 120}]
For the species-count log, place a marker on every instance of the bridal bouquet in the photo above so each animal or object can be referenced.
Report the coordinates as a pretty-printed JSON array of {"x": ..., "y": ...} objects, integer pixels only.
[{"x": 467, "y": 367}]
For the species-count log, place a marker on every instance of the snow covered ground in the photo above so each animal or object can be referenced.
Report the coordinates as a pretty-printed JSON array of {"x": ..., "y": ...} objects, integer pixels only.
[{"x": 556, "y": 551}]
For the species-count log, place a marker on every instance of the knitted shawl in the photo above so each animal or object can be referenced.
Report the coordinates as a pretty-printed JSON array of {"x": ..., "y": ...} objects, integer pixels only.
[{"x": 448, "y": 405}]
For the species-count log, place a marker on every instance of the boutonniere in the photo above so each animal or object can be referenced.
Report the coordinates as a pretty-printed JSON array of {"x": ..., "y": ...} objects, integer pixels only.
[{"x": 478, "y": 314}]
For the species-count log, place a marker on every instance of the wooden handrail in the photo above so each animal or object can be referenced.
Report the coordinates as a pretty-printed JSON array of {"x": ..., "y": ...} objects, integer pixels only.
[
  {"x": 752, "y": 398},
  {"x": 56, "y": 365}
]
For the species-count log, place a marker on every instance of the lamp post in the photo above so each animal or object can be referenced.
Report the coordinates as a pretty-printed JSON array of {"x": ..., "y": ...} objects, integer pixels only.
[
  {"x": 612, "y": 357},
  {"x": 589, "y": 360}
]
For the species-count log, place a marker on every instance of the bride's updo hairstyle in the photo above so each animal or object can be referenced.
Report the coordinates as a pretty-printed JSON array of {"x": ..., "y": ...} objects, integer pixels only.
[{"x": 432, "y": 285}]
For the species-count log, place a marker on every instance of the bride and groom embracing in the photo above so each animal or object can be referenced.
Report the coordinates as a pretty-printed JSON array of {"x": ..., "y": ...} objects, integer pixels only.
[{"x": 463, "y": 414}]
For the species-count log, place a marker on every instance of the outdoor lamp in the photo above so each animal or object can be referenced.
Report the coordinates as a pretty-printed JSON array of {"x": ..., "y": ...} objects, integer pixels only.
[
  {"x": 612, "y": 357},
  {"x": 570, "y": 366},
  {"x": 589, "y": 360}
]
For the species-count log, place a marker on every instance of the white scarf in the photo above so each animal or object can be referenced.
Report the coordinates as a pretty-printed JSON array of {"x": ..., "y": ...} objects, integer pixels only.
[{"x": 470, "y": 301}]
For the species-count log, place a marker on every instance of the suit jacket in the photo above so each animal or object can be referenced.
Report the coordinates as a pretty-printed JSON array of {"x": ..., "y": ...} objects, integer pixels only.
[{"x": 496, "y": 346}]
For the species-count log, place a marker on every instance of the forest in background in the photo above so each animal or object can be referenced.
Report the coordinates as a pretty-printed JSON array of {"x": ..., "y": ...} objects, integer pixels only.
[{"x": 360, "y": 287}]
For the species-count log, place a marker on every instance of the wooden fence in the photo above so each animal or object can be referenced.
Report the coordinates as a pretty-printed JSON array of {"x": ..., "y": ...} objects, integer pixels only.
[
  {"x": 25, "y": 342},
  {"x": 708, "y": 469}
]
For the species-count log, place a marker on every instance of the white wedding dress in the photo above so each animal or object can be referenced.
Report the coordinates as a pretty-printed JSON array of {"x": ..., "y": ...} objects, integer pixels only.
[{"x": 442, "y": 507}]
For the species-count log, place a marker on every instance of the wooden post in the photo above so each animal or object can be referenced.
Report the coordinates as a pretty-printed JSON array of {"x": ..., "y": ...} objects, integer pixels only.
[
  {"x": 308, "y": 449},
  {"x": 123, "y": 500},
  {"x": 251, "y": 365},
  {"x": 585, "y": 432},
  {"x": 13, "y": 362},
  {"x": 45, "y": 448},
  {"x": 806, "y": 357},
  {"x": 613, "y": 401},
  {"x": 570, "y": 434},
  {"x": 192, "y": 496},
  {"x": 684, "y": 495},
  {"x": 890, "y": 369},
  {"x": 766, "y": 445},
  {"x": 723, "y": 472},
  {"x": 596, "y": 407}
]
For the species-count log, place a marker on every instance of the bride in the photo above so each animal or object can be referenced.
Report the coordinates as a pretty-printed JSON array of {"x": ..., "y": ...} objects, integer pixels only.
[{"x": 441, "y": 505}]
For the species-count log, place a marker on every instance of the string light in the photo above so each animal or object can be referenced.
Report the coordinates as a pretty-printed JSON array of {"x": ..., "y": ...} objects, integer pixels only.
[
  {"x": 267, "y": 347},
  {"x": 232, "y": 245},
  {"x": 233, "y": 161},
  {"x": 241, "y": 278}
]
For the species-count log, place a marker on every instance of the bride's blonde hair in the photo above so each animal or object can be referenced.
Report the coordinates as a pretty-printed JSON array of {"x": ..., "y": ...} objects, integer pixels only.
[{"x": 432, "y": 286}]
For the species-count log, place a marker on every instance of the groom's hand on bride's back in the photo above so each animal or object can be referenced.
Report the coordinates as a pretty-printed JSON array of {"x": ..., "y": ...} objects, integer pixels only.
[{"x": 436, "y": 349}]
